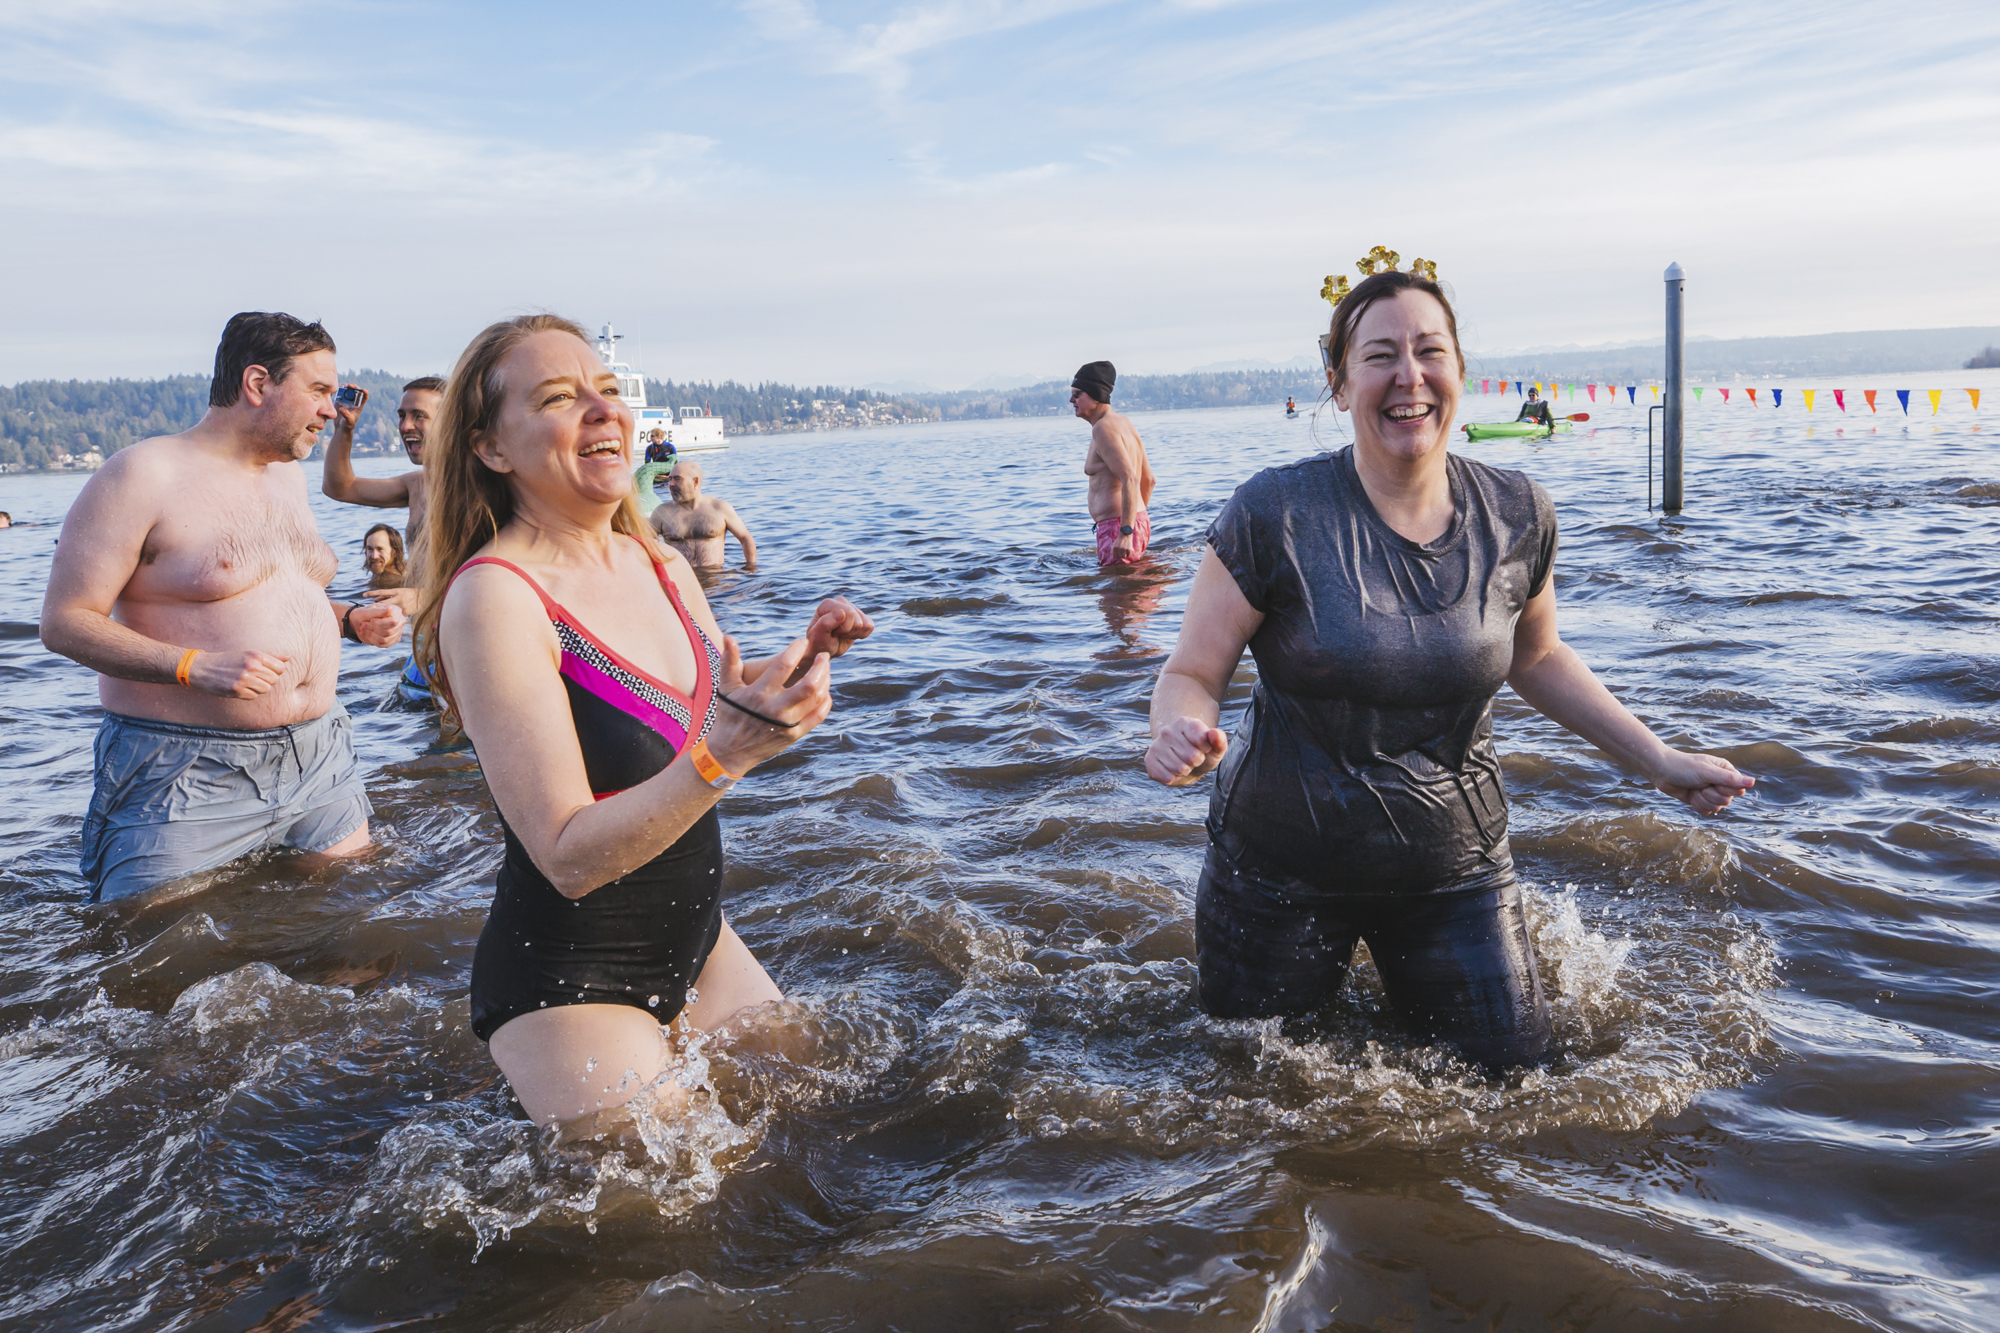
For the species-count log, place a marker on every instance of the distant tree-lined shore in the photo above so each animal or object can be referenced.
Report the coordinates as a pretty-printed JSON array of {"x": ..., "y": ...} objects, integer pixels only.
[
  {"x": 57, "y": 423},
  {"x": 63, "y": 423}
]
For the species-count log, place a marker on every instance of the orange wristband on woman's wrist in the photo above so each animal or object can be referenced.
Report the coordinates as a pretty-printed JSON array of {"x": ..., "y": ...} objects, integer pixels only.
[
  {"x": 711, "y": 769},
  {"x": 187, "y": 660}
]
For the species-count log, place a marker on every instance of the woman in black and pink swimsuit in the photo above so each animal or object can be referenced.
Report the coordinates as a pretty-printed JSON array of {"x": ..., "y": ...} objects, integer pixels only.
[{"x": 553, "y": 601}]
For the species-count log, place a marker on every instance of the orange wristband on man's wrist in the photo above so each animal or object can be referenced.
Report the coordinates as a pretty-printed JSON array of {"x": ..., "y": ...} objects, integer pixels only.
[{"x": 187, "y": 660}]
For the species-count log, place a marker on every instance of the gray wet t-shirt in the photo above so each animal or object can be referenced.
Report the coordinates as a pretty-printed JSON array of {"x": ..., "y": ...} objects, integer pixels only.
[{"x": 1365, "y": 762}]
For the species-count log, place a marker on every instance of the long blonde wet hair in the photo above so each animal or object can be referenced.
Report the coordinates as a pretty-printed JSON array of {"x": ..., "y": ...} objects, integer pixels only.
[{"x": 468, "y": 501}]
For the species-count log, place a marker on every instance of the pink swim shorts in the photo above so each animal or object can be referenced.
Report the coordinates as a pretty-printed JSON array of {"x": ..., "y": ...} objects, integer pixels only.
[{"x": 1107, "y": 537}]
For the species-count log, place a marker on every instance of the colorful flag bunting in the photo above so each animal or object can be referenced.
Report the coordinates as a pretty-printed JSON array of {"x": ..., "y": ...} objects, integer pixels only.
[
  {"x": 1725, "y": 396},
  {"x": 1973, "y": 394},
  {"x": 1935, "y": 395},
  {"x": 1593, "y": 392},
  {"x": 1903, "y": 397},
  {"x": 1517, "y": 386},
  {"x": 1869, "y": 394},
  {"x": 1807, "y": 394},
  {"x": 1486, "y": 386},
  {"x": 1840, "y": 397},
  {"x": 1777, "y": 397},
  {"x": 1631, "y": 393},
  {"x": 1697, "y": 393},
  {"x": 1753, "y": 396}
]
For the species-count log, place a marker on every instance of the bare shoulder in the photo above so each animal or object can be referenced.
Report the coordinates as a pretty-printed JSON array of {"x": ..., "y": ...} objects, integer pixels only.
[
  {"x": 489, "y": 603},
  {"x": 160, "y": 460}
]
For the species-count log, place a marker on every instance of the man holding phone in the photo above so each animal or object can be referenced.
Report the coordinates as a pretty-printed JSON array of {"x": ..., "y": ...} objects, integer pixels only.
[
  {"x": 414, "y": 415},
  {"x": 191, "y": 578}
]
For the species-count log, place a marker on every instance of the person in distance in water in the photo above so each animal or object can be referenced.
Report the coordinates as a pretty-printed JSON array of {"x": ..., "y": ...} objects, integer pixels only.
[
  {"x": 414, "y": 414},
  {"x": 1387, "y": 591},
  {"x": 609, "y": 715},
  {"x": 191, "y": 579},
  {"x": 1536, "y": 410},
  {"x": 1121, "y": 480},
  {"x": 694, "y": 524},
  {"x": 382, "y": 556}
]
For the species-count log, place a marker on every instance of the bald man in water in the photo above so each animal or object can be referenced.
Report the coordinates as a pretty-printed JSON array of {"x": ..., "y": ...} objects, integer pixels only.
[
  {"x": 694, "y": 524},
  {"x": 190, "y": 577}
]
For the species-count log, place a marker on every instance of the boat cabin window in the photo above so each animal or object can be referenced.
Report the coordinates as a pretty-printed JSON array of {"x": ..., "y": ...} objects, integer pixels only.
[{"x": 632, "y": 388}]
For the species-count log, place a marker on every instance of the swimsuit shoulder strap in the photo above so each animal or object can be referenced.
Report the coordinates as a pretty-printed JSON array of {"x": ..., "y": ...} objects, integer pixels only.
[
  {"x": 549, "y": 603},
  {"x": 706, "y": 652}
]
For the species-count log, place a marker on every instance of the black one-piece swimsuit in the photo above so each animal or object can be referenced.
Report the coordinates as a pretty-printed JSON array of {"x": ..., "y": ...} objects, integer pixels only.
[{"x": 640, "y": 939}]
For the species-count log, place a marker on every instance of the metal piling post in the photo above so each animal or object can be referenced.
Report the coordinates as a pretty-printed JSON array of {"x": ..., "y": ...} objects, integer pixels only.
[{"x": 1670, "y": 419}]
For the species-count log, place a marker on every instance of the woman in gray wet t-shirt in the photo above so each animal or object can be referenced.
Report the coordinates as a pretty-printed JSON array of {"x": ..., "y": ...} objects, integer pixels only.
[{"x": 1387, "y": 591}]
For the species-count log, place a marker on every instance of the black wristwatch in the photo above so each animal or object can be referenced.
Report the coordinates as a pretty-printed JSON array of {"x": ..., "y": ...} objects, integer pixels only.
[
  {"x": 347, "y": 624},
  {"x": 1124, "y": 529}
]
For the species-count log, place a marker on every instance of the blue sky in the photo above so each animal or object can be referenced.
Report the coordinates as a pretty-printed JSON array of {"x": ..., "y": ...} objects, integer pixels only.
[{"x": 950, "y": 189}]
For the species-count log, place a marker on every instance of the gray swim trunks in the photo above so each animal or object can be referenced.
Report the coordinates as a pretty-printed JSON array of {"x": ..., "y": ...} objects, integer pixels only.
[{"x": 174, "y": 800}]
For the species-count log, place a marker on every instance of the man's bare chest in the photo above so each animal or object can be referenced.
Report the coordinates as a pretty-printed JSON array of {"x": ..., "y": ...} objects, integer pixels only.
[
  {"x": 209, "y": 552},
  {"x": 697, "y": 524}
]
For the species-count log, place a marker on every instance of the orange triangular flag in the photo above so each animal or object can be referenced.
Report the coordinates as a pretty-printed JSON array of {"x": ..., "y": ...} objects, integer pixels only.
[
  {"x": 1869, "y": 394},
  {"x": 1808, "y": 393},
  {"x": 1973, "y": 394},
  {"x": 1936, "y": 394},
  {"x": 1753, "y": 396}
]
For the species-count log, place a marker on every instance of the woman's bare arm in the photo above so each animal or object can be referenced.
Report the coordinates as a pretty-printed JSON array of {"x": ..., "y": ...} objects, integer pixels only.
[
  {"x": 1187, "y": 700},
  {"x": 502, "y": 661},
  {"x": 1548, "y": 674}
]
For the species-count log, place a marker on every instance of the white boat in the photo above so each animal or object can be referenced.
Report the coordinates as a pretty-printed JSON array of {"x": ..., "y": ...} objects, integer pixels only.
[{"x": 691, "y": 430}]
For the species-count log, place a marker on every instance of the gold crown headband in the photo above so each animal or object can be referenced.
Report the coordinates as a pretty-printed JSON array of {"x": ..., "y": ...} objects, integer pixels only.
[{"x": 1379, "y": 260}]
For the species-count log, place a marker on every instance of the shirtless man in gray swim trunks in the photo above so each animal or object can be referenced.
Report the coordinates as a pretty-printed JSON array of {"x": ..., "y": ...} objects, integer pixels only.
[{"x": 190, "y": 577}]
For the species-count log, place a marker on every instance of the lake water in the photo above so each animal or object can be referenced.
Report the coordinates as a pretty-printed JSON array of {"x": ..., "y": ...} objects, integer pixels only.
[{"x": 260, "y": 1107}]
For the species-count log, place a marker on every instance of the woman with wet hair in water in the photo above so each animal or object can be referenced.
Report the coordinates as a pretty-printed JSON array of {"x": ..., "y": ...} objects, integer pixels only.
[
  {"x": 609, "y": 714},
  {"x": 1387, "y": 591}
]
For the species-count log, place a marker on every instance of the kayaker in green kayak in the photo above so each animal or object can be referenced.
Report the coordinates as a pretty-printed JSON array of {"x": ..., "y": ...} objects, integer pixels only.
[{"x": 1536, "y": 410}]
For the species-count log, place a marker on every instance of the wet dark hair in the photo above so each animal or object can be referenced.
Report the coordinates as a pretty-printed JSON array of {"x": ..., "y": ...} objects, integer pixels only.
[
  {"x": 434, "y": 383},
  {"x": 1347, "y": 316},
  {"x": 267, "y": 338}
]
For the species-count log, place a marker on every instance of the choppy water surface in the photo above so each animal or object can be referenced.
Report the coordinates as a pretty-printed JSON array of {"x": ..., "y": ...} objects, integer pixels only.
[{"x": 260, "y": 1107}]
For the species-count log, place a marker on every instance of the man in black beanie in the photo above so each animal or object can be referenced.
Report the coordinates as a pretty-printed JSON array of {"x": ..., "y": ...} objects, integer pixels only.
[{"x": 1121, "y": 480}]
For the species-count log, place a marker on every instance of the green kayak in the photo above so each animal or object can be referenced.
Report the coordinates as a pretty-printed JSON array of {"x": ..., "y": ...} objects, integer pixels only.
[{"x": 1500, "y": 430}]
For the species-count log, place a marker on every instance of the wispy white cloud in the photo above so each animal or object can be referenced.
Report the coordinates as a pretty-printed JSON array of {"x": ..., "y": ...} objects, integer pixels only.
[{"x": 940, "y": 179}]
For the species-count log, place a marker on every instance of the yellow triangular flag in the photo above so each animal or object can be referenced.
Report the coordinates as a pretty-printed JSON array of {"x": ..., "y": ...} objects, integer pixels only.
[
  {"x": 1973, "y": 394},
  {"x": 1936, "y": 394},
  {"x": 1808, "y": 397},
  {"x": 1656, "y": 391}
]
